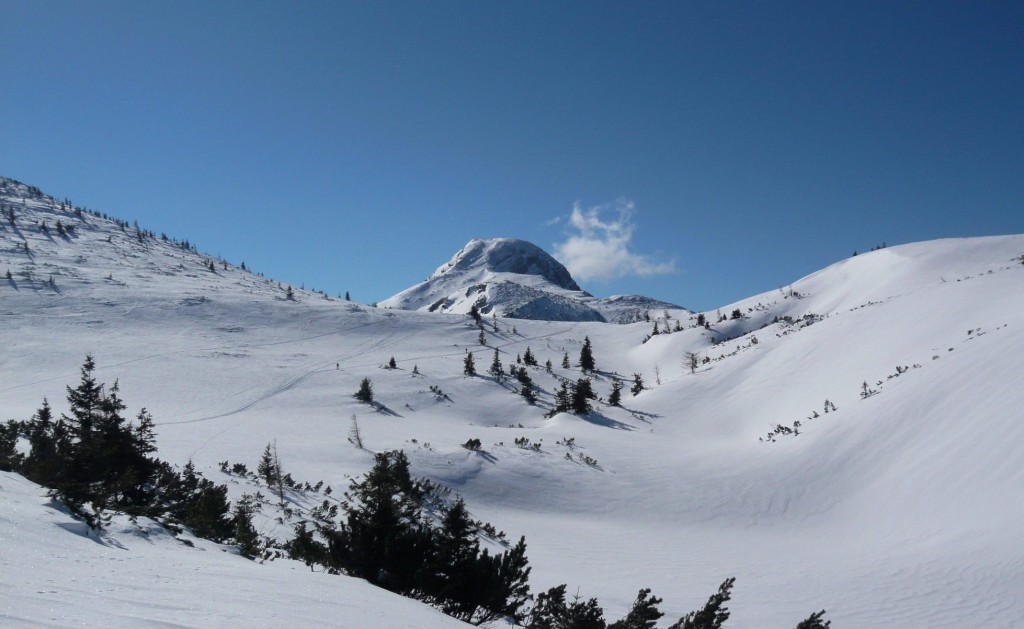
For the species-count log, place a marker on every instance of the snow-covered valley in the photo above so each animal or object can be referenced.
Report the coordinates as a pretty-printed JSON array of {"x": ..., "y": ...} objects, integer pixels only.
[{"x": 852, "y": 442}]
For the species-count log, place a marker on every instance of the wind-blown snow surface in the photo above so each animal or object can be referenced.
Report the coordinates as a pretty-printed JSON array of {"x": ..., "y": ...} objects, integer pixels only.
[{"x": 903, "y": 508}]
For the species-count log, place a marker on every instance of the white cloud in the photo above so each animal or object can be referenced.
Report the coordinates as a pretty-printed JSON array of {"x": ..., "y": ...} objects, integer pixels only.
[{"x": 599, "y": 250}]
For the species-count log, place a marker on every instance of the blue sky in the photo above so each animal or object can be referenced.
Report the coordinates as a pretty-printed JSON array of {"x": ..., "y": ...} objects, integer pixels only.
[{"x": 711, "y": 150}]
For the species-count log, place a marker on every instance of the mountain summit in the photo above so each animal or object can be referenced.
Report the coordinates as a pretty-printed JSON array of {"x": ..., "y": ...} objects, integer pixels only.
[
  {"x": 506, "y": 255},
  {"x": 516, "y": 279}
]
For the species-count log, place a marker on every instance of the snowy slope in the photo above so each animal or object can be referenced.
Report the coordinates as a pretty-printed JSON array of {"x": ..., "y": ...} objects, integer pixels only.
[
  {"x": 518, "y": 280},
  {"x": 902, "y": 508}
]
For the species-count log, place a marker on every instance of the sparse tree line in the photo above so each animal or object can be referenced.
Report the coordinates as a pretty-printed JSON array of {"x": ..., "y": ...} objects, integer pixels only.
[{"x": 393, "y": 531}]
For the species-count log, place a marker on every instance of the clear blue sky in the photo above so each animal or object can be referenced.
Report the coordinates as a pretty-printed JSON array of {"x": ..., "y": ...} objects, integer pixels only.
[{"x": 357, "y": 145}]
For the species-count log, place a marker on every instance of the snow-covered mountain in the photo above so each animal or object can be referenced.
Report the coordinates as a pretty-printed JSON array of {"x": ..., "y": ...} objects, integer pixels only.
[
  {"x": 518, "y": 280},
  {"x": 853, "y": 442}
]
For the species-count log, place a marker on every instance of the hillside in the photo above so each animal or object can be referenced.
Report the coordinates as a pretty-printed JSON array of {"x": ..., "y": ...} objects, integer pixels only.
[{"x": 899, "y": 508}]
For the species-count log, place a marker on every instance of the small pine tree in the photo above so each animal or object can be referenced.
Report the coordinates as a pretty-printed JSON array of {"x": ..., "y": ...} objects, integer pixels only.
[
  {"x": 615, "y": 397},
  {"x": 713, "y": 614},
  {"x": 563, "y": 400},
  {"x": 701, "y": 320},
  {"x": 529, "y": 358},
  {"x": 547, "y": 363},
  {"x": 474, "y": 313},
  {"x": 481, "y": 339},
  {"x": 638, "y": 384},
  {"x": 246, "y": 537},
  {"x": 392, "y": 364},
  {"x": 347, "y": 297},
  {"x": 365, "y": 392},
  {"x": 289, "y": 294},
  {"x": 265, "y": 469},
  {"x": 469, "y": 365},
  {"x": 582, "y": 393},
  {"x": 815, "y": 621},
  {"x": 565, "y": 360},
  {"x": 587, "y": 356},
  {"x": 496, "y": 368},
  {"x": 643, "y": 615}
]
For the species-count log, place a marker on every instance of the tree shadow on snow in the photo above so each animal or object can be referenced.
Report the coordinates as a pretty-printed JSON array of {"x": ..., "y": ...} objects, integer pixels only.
[
  {"x": 384, "y": 410},
  {"x": 598, "y": 419},
  {"x": 487, "y": 456}
]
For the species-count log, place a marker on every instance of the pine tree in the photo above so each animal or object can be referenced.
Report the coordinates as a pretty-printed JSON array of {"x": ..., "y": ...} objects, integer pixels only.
[
  {"x": 289, "y": 294},
  {"x": 365, "y": 392},
  {"x": 563, "y": 400},
  {"x": 643, "y": 615},
  {"x": 815, "y": 621},
  {"x": 265, "y": 468},
  {"x": 615, "y": 397},
  {"x": 638, "y": 384},
  {"x": 469, "y": 365},
  {"x": 565, "y": 360},
  {"x": 392, "y": 364},
  {"x": 713, "y": 614},
  {"x": 246, "y": 537},
  {"x": 582, "y": 393},
  {"x": 481, "y": 339},
  {"x": 587, "y": 356},
  {"x": 529, "y": 358},
  {"x": 496, "y": 368},
  {"x": 382, "y": 538}
]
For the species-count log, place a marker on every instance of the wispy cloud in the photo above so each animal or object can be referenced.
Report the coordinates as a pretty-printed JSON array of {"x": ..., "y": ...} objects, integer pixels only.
[{"x": 600, "y": 247}]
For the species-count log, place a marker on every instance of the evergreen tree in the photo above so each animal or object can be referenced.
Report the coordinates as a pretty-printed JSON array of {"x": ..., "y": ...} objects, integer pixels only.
[
  {"x": 392, "y": 364},
  {"x": 528, "y": 358},
  {"x": 365, "y": 392},
  {"x": 582, "y": 393},
  {"x": 587, "y": 356},
  {"x": 203, "y": 506},
  {"x": 713, "y": 614},
  {"x": 305, "y": 547},
  {"x": 638, "y": 384},
  {"x": 474, "y": 313},
  {"x": 469, "y": 365},
  {"x": 246, "y": 537},
  {"x": 815, "y": 621},
  {"x": 496, "y": 368},
  {"x": 347, "y": 297},
  {"x": 565, "y": 360},
  {"x": 643, "y": 615},
  {"x": 551, "y": 611},
  {"x": 382, "y": 536},
  {"x": 615, "y": 397},
  {"x": 10, "y": 458},
  {"x": 701, "y": 320},
  {"x": 289, "y": 294},
  {"x": 265, "y": 469},
  {"x": 563, "y": 400},
  {"x": 44, "y": 465}
]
